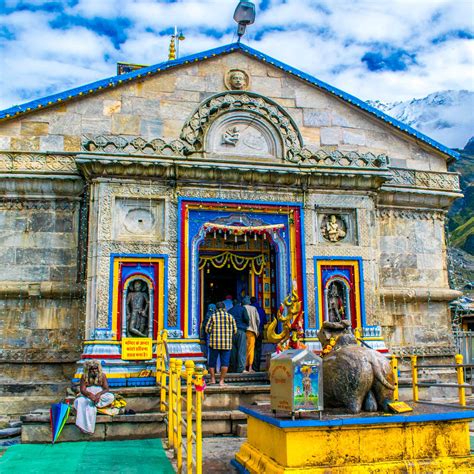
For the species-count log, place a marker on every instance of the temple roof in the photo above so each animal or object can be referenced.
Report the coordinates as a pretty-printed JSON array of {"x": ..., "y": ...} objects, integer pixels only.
[{"x": 114, "y": 81}]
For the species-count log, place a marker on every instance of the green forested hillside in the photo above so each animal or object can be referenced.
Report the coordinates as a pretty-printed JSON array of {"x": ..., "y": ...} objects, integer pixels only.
[
  {"x": 461, "y": 215},
  {"x": 460, "y": 235}
]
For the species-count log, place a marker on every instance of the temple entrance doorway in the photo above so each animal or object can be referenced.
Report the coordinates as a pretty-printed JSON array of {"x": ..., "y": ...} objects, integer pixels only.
[
  {"x": 238, "y": 266},
  {"x": 221, "y": 282}
]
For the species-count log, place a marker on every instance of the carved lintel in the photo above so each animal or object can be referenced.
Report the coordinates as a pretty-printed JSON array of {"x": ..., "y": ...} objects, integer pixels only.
[
  {"x": 432, "y": 180},
  {"x": 230, "y": 171},
  {"x": 410, "y": 295},
  {"x": 424, "y": 350},
  {"x": 117, "y": 144},
  {"x": 410, "y": 213},
  {"x": 37, "y": 163}
]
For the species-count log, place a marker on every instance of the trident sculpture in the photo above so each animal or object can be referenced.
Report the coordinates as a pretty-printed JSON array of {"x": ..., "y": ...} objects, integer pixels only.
[{"x": 292, "y": 332}]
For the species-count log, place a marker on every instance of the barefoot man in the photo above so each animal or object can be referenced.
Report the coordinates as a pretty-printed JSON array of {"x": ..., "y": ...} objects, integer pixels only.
[{"x": 220, "y": 327}]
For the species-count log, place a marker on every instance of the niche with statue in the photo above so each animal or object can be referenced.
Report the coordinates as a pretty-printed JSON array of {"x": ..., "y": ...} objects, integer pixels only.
[{"x": 138, "y": 321}]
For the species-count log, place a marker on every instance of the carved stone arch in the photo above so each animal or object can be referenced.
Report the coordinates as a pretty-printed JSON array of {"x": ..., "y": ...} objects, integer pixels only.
[{"x": 249, "y": 104}]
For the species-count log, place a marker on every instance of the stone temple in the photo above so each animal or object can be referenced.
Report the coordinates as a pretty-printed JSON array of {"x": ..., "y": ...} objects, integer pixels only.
[{"x": 130, "y": 204}]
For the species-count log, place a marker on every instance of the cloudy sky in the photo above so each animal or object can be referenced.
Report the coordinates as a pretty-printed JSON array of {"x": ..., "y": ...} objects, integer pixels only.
[{"x": 374, "y": 49}]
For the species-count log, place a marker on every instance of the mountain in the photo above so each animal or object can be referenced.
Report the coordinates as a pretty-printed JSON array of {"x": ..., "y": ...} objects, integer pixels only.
[{"x": 446, "y": 116}]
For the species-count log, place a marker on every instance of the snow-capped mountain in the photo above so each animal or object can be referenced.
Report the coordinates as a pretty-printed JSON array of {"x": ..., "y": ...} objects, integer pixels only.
[{"x": 446, "y": 116}]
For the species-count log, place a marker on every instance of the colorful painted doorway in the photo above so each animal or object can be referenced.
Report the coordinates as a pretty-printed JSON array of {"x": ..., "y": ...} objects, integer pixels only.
[
  {"x": 223, "y": 231},
  {"x": 239, "y": 266}
]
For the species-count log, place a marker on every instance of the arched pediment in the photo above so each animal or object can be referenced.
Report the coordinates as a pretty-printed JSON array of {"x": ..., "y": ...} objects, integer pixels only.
[{"x": 237, "y": 123}]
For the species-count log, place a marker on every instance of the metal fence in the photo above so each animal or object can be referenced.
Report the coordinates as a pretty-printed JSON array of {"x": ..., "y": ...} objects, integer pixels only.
[
  {"x": 464, "y": 342},
  {"x": 459, "y": 367},
  {"x": 169, "y": 375}
]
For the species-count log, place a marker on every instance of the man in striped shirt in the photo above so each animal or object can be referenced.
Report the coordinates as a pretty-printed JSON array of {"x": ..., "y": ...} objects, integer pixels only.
[{"x": 220, "y": 327}]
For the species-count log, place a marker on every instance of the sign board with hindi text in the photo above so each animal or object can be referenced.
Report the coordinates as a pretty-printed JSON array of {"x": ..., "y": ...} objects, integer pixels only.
[{"x": 137, "y": 348}]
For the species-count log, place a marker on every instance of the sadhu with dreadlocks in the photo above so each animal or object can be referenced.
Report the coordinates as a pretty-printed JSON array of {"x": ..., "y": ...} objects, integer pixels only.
[{"x": 94, "y": 394}]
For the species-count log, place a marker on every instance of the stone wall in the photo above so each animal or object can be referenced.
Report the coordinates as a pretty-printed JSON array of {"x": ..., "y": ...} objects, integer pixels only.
[{"x": 41, "y": 309}]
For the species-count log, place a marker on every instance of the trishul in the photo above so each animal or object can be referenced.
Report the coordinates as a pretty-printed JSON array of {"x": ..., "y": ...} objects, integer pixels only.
[{"x": 292, "y": 322}]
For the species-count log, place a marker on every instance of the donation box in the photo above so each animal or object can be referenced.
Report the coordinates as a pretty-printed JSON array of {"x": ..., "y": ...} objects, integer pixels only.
[{"x": 296, "y": 381}]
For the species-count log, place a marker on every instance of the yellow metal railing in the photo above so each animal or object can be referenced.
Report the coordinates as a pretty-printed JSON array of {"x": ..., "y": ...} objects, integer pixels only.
[
  {"x": 394, "y": 366},
  {"x": 460, "y": 385},
  {"x": 169, "y": 379}
]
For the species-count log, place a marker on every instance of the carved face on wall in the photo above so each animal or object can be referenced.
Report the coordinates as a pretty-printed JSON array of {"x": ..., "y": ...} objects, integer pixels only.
[{"x": 236, "y": 79}]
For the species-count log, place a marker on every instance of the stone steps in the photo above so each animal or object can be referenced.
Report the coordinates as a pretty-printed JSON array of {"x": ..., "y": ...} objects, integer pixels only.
[
  {"x": 36, "y": 426},
  {"x": 220, "y": 415}
]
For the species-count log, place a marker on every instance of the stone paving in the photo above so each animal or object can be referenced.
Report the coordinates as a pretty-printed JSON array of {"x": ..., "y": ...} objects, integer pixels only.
[{"x": 217, "y": 454}]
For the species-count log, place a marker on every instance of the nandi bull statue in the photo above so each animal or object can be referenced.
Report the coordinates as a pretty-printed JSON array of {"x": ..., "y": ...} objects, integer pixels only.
[{"x": 355, "y": 377}]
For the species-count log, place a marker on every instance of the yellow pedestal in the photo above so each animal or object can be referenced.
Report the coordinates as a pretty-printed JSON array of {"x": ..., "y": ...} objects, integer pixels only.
[{"x": 436, "y": 442}]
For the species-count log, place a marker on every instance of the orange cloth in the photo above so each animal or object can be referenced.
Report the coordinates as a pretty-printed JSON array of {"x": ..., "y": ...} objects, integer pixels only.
[{"x": 251, "y": 337}]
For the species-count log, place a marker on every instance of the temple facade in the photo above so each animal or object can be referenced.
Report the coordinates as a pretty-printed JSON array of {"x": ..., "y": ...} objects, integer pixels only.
[{"x": 130, "y": 204}]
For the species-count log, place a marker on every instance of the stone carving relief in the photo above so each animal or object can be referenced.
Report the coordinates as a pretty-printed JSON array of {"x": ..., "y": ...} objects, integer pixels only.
[
  {"x": 132, "y": 145},
  {"x": 38, "y": 355},
  {"x": 336, "y": 226},
  {"x": 411, "y": 214},
  {"x": 39, "y": 162},
  {"x": 242, "y": 134},
  {"x": 261, "y": 109},
  {"x": 333, "y": 228},
  {"x": 231, "y": 136},
  {"x": 237, "y": 79},
  {"x": 425, "y": 179},
  {"x": 24, "y": 204},
  {"x": 141, "y": 219}
]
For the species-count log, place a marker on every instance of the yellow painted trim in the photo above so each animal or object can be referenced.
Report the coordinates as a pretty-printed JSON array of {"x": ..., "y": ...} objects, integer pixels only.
[
  {"x": 186, "y": 271},
  {"x": 292, "y": 232},
  {"x": 350, "y": 263},
  {"x": 431, "y": 446},
  {"x": 123, "y": 375},
  {"x": 240, "y": 208},
  {"x": 161, "y": 272},
  {"x": 201, "y": 290},
  {"x": 115, "y": 297}
]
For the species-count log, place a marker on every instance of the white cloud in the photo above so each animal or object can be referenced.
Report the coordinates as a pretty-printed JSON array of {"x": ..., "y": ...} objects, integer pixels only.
[{"x": 326, "y": 38}]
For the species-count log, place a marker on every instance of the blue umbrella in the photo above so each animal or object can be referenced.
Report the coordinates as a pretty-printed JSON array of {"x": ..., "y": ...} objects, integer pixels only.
[{"x": 59, "y": 413}]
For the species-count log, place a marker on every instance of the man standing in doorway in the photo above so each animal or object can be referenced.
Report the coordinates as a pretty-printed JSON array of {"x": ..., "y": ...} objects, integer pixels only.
[
  {"x": 239, "y": 345},
  {"x": 259, "y": 341},
  {"x": 221, "y": 327},
  {"x": 252, "y": 332}
]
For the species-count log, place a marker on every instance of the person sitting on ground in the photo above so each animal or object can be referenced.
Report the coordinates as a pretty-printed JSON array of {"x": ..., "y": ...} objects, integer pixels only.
[
  {"x": 94, "y": 394},
  {"x": 221, "y": 327},
  {"x": 261, "y": 328},
  {"x": 239, "y": 342},
  {"x": 252, "y": 333}
]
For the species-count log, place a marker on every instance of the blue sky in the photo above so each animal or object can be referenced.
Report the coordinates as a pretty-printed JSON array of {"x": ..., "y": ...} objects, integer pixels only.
[{"x": 374, "y": 49}]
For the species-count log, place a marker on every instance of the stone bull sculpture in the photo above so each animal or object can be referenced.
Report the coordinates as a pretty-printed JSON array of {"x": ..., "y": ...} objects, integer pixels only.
[{"x": 354, "y": 377}]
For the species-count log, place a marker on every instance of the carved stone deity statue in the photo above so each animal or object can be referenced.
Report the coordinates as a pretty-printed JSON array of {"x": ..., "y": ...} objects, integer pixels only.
[
  {"x": 231, "y": 136},
  {"x": 336, "y": 309},
  {"x": 138, "y": 306},
  {"x": 236, "y": 79},
  {"x": 332, "y": 229}
]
